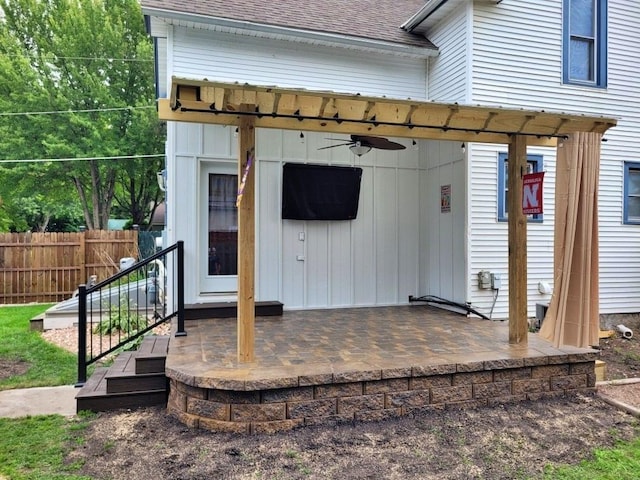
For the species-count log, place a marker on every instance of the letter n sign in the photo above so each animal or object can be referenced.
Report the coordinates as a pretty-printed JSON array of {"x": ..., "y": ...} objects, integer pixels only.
[{"x": 532, "y": 193}]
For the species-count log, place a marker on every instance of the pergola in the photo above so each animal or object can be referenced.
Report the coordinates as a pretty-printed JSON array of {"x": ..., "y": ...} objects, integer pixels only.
[{"x": 249, "y": 107}]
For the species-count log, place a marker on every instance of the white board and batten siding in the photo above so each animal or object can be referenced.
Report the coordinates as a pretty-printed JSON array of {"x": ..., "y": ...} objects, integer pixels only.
[
  {"x": 517, "y": 62},
  {"x": 445, "y": 249},
  {"x": 373, "y": 260}
]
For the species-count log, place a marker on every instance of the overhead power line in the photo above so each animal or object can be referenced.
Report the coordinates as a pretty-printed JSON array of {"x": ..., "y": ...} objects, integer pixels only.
[
  {"x": 102, "y": 59},
  {"x": 56, "y": 112},
  {"x": 73, "y": 159}
]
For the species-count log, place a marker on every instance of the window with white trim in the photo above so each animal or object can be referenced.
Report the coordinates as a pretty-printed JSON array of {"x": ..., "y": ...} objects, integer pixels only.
[
  {"x": 584, "y": 39},
  {"x": 534, "y": 164},
  {"x": 631, "y": 209}
]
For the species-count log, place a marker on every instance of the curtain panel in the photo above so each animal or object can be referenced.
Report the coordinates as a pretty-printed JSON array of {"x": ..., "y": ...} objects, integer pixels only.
[{"x": 573, "y": 314}]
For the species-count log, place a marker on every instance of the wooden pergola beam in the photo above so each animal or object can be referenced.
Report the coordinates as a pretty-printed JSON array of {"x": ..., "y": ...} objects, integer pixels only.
[
  {"x": 246, "y": 239},
  {"x": 517, "y": 167},
  {"x": 199, "y": 114}
]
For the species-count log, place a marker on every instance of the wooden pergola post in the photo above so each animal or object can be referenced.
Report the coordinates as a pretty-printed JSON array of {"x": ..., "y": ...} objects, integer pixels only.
[
  {"x": 517, "y": 167},
  {"x": 246, "y": 239}
]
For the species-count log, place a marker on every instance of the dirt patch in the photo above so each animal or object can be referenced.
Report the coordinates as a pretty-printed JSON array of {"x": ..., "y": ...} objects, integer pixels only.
[
  {"x": 9, "y": 367},
  {"x": 504, "y": 442},
  {"x": 621, "y": 355}
]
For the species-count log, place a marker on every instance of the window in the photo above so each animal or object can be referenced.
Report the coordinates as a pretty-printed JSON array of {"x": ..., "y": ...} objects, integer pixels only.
[
  {"x": 584, "y": 42},
  {"x": 223, "y": 225},
  {"x": 534, "y": 164},
  {"x": 631, "y": 209}
]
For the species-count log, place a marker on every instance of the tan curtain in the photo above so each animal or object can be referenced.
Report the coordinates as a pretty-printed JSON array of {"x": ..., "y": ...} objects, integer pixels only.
[{"x": 573, "y": 314}]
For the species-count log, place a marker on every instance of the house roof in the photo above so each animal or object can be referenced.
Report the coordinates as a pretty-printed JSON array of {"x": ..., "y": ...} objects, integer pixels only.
[{"x": 378, "y": 20}]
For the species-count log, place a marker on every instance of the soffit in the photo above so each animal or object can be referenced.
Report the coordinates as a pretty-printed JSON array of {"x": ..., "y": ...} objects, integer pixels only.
[{"x": 220, "y": 103}]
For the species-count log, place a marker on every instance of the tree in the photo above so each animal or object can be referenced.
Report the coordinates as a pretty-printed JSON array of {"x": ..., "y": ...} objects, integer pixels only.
[{"x": 92, "y": 60}]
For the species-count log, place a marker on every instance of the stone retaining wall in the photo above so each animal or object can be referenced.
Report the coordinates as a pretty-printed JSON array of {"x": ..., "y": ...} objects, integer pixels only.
[{"x": 367, "y": 396}]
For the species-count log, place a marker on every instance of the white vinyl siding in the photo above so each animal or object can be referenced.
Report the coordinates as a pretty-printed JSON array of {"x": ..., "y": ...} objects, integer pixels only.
[
  {"x": 448, "y": 79},
  {"x": 203, "y": 54},
  {"x": 517, "y": 62},
  {"x": 488, "y": 244}
]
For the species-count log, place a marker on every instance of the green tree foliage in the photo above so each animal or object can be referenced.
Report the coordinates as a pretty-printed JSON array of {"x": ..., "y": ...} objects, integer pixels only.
[{"x": 93, "y": 61}]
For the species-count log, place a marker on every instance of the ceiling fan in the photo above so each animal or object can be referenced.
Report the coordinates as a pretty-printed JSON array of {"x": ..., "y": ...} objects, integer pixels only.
[{"x": 361, "y": 144}]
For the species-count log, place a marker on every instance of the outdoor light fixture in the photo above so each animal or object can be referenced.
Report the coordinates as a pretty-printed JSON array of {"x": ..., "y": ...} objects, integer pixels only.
[
  {"x": 463, "y": 147},
  {"x": 360, "y": 149},
  {"x": 161, "y": 177}
]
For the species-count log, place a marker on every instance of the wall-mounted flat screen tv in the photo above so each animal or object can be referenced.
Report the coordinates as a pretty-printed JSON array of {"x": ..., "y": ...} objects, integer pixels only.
[{"x": 320, "y": 192}]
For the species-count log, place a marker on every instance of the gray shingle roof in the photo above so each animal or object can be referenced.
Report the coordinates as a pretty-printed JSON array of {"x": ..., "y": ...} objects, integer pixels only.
[{"x": 370, "y": 19}]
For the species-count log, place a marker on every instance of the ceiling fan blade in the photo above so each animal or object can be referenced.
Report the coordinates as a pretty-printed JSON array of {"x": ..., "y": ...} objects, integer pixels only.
[
  {"x": 334, "y": 146},
  {"x": 377, "y": 142},
  {"x": 389, "y": 145}
]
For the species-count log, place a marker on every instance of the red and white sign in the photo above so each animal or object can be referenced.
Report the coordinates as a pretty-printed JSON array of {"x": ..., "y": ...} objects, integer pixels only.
[{"x": 532, "y": 193}]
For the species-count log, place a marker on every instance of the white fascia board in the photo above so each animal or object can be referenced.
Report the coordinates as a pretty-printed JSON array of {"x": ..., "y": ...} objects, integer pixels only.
[
  {"x": 421, "y": 15},
  {"x": 306, "y": 36},
  {"x": 430, "y": 8}
]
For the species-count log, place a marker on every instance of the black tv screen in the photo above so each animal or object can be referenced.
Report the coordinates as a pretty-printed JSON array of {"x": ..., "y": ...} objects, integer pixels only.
[{"x": 320, "y": 192}]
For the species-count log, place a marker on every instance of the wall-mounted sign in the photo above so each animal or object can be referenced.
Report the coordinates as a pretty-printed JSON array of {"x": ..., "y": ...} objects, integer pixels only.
[
  {"x": 445, "y": 198},
  {"x": 532, "y": 193}
]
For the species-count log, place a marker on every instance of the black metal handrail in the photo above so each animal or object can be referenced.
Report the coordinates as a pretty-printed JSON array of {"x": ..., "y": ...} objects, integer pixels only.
[{"x": 126, "y": 306}]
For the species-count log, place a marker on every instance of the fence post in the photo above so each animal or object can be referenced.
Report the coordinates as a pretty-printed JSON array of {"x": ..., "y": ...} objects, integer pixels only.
[
  {"x": 82, "y": 335},
  {"x": 83, "y": 255},
  {"x": 180, "y": 293}
]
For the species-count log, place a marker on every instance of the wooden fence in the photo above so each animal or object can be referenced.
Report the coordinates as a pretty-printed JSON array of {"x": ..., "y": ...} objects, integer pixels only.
[{"x": 48, "y": 267}]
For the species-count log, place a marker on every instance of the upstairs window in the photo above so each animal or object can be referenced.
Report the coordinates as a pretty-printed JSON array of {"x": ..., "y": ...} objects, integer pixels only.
[
  {"x": 585, "y": 42},
  {"x": 534, "y": 164},
  {"x": 631, "y": 209}
]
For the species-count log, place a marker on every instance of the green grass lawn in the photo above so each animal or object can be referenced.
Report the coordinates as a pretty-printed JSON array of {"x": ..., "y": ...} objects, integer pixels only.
[
  {"x": 619, "y": 463},
  {"x": 34, "y": 448},
  {"x": 48, "y": 365}
]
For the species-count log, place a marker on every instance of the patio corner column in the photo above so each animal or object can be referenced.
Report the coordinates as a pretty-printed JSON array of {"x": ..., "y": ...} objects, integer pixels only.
[
  {"x": 246, "y": 238},
  {"x": 517, "y": 165}
]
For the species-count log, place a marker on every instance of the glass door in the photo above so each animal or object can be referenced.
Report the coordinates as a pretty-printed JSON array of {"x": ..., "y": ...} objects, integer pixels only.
[{"x": 219, "y": 229}]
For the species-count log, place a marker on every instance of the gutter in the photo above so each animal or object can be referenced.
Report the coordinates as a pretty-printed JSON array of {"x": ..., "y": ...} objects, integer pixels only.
[
  {"x": 429, "y": 8},
  {"x": 276, "y": 33}
]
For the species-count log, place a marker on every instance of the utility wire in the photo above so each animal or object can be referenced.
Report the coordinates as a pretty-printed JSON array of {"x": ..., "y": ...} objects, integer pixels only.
[
  {"x": 55, "y": 112},
  {"x": 56, "y": 57},
  {"x": 71, "y": 159}
]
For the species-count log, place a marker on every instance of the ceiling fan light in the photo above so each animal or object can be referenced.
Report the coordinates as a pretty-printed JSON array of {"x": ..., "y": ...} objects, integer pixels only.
[{"x": 360, "y": 149}]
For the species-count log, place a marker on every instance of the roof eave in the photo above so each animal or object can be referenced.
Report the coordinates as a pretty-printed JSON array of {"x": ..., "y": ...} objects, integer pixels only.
[
  {"x": 277, "y": 32},
  {"x": 421, "y": 15}
]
